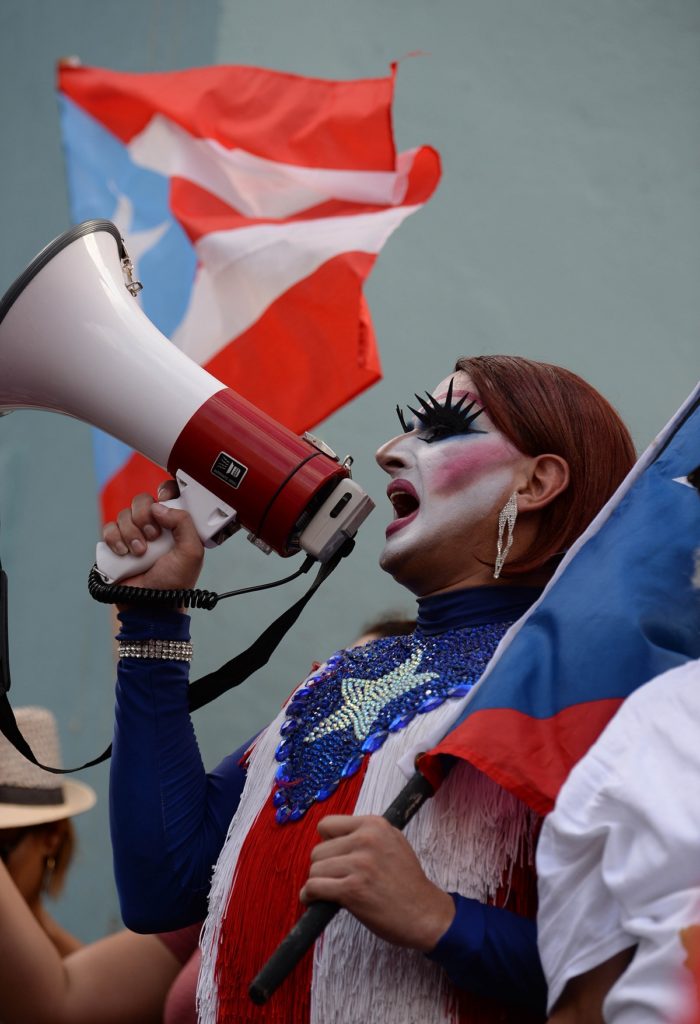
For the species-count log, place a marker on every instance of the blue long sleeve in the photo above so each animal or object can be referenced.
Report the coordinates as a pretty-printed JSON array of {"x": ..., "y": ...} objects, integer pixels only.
[
  {"x": 493, "y": 952},
  {"x": 168, "y": 817}
]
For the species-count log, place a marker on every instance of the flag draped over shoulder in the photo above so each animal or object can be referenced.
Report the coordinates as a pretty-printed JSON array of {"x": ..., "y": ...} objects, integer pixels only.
[
  {"x": 620, "y": 610},
  {"x": 253, "y": 204}
]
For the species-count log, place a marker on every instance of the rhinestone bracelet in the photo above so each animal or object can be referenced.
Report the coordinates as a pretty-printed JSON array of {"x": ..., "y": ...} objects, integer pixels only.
[{"x": 166, "y": 650}]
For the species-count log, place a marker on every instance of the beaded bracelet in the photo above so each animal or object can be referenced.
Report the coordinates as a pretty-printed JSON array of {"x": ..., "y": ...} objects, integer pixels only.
[{"x": 165, "y": 650}]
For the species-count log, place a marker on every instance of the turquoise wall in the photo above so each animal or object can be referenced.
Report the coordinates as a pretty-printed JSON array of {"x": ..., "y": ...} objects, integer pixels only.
[{"x": 566, "y": 228}]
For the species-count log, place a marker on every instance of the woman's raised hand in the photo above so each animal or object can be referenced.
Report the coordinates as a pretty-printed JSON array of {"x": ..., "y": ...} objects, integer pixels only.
[{"x": 142, "y": 522}]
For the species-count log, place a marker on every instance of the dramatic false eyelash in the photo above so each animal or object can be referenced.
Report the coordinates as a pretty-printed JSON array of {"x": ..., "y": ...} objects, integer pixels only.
[
  {"x": 452, "y": 418},
  {"x": 406, "y": 427}
]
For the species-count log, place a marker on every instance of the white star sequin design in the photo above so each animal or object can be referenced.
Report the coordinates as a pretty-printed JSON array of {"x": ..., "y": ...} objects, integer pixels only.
[{"x": 364, "y": 699}]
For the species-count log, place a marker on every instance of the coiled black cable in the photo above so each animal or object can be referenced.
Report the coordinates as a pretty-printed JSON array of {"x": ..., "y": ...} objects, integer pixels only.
[{"x": 117, "y": 593}]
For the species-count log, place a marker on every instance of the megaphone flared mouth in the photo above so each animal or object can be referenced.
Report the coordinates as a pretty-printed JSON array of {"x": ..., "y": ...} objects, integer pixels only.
[
  {"x": 87, "y": 227},
  {"x": 74, "y": 340}
]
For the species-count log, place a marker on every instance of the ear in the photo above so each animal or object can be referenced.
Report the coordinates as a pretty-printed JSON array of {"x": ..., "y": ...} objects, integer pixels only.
[{"x": 547, "y": 477}]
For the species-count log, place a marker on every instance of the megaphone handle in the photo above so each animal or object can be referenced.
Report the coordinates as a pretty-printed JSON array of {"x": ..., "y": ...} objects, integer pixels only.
[
  {"x": 214, "y": 521},
  {"x": 118, "y": 567}
]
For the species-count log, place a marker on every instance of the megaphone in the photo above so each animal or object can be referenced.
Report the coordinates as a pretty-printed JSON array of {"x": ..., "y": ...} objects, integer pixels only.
[{"x": 74, "y": 340}]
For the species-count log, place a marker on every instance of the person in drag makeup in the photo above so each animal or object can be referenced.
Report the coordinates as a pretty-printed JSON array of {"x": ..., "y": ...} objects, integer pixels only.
[{"x": 492, "y": 478}]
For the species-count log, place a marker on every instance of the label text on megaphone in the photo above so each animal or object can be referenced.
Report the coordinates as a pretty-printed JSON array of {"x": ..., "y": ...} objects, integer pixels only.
[{"x": 228, "y": 469}]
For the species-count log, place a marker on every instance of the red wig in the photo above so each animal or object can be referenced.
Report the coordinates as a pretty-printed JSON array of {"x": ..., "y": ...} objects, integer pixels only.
[{"x": 545, "y": 409}]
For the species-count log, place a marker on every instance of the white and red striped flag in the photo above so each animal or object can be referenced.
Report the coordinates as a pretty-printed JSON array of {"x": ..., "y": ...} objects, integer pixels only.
[{"x": 254, "y": 204}]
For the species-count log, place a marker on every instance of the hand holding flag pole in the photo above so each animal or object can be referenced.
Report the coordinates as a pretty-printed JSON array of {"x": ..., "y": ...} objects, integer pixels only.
[
  {"x": 313, "y": 922},
  {"x": 549, "y": 691}
]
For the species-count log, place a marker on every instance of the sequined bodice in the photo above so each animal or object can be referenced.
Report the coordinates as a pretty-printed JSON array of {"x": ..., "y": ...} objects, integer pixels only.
[{"x": 353, "y": 704}]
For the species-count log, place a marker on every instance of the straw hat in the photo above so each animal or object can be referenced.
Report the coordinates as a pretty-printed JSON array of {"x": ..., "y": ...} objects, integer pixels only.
[{"x": 28, "y": 794}]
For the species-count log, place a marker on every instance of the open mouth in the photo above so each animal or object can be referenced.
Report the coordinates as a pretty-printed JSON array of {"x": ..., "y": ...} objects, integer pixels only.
[{"x": 405, "y": 503}]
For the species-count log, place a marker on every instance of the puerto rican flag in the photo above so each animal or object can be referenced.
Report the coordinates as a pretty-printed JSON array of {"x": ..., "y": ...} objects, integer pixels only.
[
  {"x": 253, "y": 204},
  {"x": 621, "y": 609}
]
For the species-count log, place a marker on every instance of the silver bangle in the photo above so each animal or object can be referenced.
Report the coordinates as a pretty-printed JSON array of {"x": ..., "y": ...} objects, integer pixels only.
[{"x": 165, "y": 650}]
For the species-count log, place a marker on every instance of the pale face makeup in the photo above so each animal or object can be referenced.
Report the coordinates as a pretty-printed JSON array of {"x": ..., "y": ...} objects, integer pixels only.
[{"x": 447, "y": 492}]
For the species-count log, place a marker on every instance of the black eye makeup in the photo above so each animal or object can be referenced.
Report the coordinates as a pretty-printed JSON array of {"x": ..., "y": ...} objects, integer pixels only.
[{"x": 438, "y": 420}]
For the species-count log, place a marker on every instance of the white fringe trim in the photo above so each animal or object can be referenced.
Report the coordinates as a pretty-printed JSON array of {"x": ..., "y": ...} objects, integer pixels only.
[
  {"x": 255, "y": 794},
  {"x": 464, "y": 837}
]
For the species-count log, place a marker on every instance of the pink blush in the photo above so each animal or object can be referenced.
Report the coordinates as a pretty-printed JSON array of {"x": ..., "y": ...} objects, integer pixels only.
[{"x": 466, "y": 461}]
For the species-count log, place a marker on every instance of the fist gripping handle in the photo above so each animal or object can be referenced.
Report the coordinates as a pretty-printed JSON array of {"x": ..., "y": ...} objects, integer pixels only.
[{"x": 214, "y": 521}]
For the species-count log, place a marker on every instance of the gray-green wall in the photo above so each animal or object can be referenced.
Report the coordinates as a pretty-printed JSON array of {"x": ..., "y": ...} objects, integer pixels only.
[{"x": 566, "y": 228}]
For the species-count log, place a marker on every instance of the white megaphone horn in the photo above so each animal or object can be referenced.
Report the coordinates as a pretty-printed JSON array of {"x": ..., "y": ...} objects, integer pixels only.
[{"x": 73, "y": 340}]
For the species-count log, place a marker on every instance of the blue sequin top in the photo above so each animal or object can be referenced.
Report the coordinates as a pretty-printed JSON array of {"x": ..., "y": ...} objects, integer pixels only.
[{"x": 361, "y": 696}]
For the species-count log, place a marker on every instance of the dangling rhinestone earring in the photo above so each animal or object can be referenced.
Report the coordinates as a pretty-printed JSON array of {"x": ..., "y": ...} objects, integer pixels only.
[{"x": 506, "y": 518}]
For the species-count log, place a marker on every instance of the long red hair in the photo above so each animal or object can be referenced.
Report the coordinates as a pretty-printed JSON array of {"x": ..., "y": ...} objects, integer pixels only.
[{"x": 544, "y": 409}]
